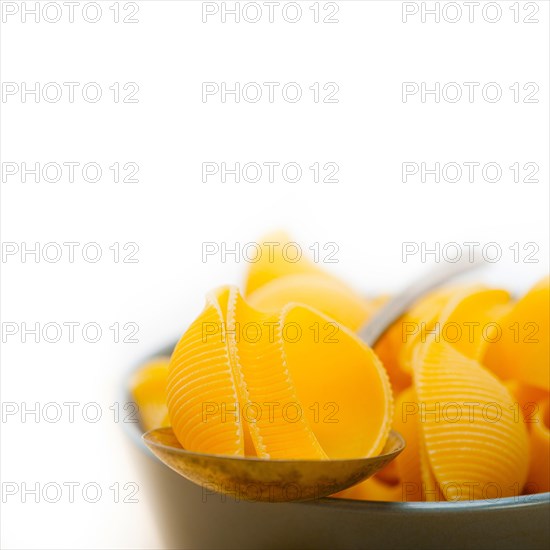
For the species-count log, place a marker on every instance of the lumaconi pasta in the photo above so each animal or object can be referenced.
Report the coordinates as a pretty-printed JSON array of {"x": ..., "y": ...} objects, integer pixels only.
[
  {"x": 468, "y": 367},
  {"x": 148, "y": 387},
  {"x": 523, "y": 352},
  {"x": 397, "y": 343},
  {"x": 468, "y": 428},
  {"x": 538, "y": 479},
  {"x": 326, "y": 294},
  {"x": 276, "y": 261}
]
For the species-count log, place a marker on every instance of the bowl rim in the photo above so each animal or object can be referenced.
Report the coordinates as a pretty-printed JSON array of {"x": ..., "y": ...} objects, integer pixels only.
[{"x": 135, "y": 433}]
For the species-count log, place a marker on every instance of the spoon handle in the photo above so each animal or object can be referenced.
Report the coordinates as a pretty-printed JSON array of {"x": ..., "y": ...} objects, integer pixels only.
[{"x": 400, "y": 303}]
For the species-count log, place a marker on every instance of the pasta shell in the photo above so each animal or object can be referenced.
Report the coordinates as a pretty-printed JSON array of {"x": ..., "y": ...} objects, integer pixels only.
[
  {"x": 279, "y": 256},
  {"x": 148, "y": 388},
  {"x": 538, "y": 479},
  {"x": 408, "y": 463},
  {"x": 329, "y": 296},
  {"x": 202, "y": 387},
  {"x": 522, "y": 351},
  {"x": 474, "y": 446},
  {"x": 468, "y": 317}
]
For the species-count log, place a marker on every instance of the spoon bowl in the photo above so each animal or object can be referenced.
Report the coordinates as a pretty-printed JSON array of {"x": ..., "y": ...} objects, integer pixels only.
[{"x": 265, "y": 480}]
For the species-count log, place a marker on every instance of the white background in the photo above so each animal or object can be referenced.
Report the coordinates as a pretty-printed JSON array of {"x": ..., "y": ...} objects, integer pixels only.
[{"x": 170, "y": 212}]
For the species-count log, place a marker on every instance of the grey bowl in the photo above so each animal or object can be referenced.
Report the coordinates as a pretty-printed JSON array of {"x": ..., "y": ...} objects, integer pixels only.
[{"x": 190, "y": 517}]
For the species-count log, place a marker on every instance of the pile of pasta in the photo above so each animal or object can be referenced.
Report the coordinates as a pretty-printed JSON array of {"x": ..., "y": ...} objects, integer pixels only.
[{"x": 278, "y": 372}]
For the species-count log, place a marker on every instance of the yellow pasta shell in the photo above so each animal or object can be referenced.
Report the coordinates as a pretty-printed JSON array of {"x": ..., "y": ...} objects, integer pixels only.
[
  {"x": 397, "y": 345},
  {"x": 202, "y": 383},
  {"x": 467, "y": 319},
  {"x": 148, "y": 388},
  {"x": 408, "y": 465},
  {"x": 279, "y": 257},
  {"x": 471, "y": 451},
  {"x": 538, "y": 479},
  {"x": 527, "y": 400},
  {"x": 523, "y": 351},
  {"x": 372, "y": 489},
  {"x": 328, "y": 295}
]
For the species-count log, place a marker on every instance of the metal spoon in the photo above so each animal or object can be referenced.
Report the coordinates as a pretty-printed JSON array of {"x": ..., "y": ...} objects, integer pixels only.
[{"x": 257, "y": 479}]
